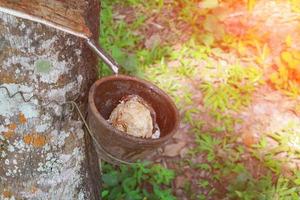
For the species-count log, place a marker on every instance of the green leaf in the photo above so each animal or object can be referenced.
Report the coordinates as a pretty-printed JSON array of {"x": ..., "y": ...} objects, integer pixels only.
[
  {"x": 163, "y": 194},
  {"x": 110, "y": 179},
  {"x": 115, "y": 193},
  {"x": 131, "y": 64},
  {"x": 203, "y": 183},
  {"x": 104, "y": 193},
  {"x": 118, "y": 54},
  {"x": 133, "y": 195},
  {"x": 129, "y": 184}
]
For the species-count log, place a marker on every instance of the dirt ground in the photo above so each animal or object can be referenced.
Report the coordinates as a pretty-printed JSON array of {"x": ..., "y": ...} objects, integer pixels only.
[{"x": 270, "y": 110}]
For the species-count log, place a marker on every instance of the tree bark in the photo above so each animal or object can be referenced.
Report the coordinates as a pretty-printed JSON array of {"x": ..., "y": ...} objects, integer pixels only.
[
  {"x": 70, "y": 14},
  {"x": 42, "y": 154}
]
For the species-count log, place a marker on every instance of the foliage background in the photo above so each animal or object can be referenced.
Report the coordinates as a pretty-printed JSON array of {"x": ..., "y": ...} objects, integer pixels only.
[{"x": 233, "y": 69}]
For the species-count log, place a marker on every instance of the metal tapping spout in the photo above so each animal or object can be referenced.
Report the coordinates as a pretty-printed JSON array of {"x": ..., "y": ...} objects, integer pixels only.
[
  {"x": 78, "y": 32},
  {"x": 103, "y": 55}
]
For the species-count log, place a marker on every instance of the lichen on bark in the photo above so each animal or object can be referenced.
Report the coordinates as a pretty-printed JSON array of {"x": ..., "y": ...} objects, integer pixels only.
[{"x": 42, "y": 157}]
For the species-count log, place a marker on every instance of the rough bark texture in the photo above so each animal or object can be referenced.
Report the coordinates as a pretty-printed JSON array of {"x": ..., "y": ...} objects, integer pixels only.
[
  {"x": 40, "y": 156},
  {"x": 66, "y": 13}
]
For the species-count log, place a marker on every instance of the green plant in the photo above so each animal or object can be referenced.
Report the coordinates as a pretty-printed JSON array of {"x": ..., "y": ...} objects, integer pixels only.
[
  {"x": 228, "y": 89},
  {"x": 189, "y": 116},
  {"x": 191, "y": 50},
  {"x": 137, "y": 182},
  {"x": 156, "y": 4},
  {"x": 161, "y": 75},
  {"x": 245, "y": 187},
  {"x": 285, "y": 141},
  {"x": 207, "y": 144},
  {"x": 267, "y": 158},
  {"x": 225, "y": 162},
  {"x": 150, "y": 56},
  {"x": 117, "y": 38},
  {"x": 120, "y": 39}
]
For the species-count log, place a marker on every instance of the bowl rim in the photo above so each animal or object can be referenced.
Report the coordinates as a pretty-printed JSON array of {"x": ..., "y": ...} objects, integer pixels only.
[{"x": 100, "y": 118}]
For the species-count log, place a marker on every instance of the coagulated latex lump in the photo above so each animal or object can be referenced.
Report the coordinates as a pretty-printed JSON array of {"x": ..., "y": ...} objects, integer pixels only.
[{"x": 134, "y": 116}]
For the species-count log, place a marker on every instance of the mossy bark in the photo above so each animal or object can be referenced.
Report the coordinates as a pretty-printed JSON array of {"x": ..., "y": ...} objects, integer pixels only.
[{"x": 42, "y": 155}]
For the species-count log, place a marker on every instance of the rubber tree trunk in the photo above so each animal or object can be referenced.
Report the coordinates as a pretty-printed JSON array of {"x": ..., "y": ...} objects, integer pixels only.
[{"x": 42, "y": 154}]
